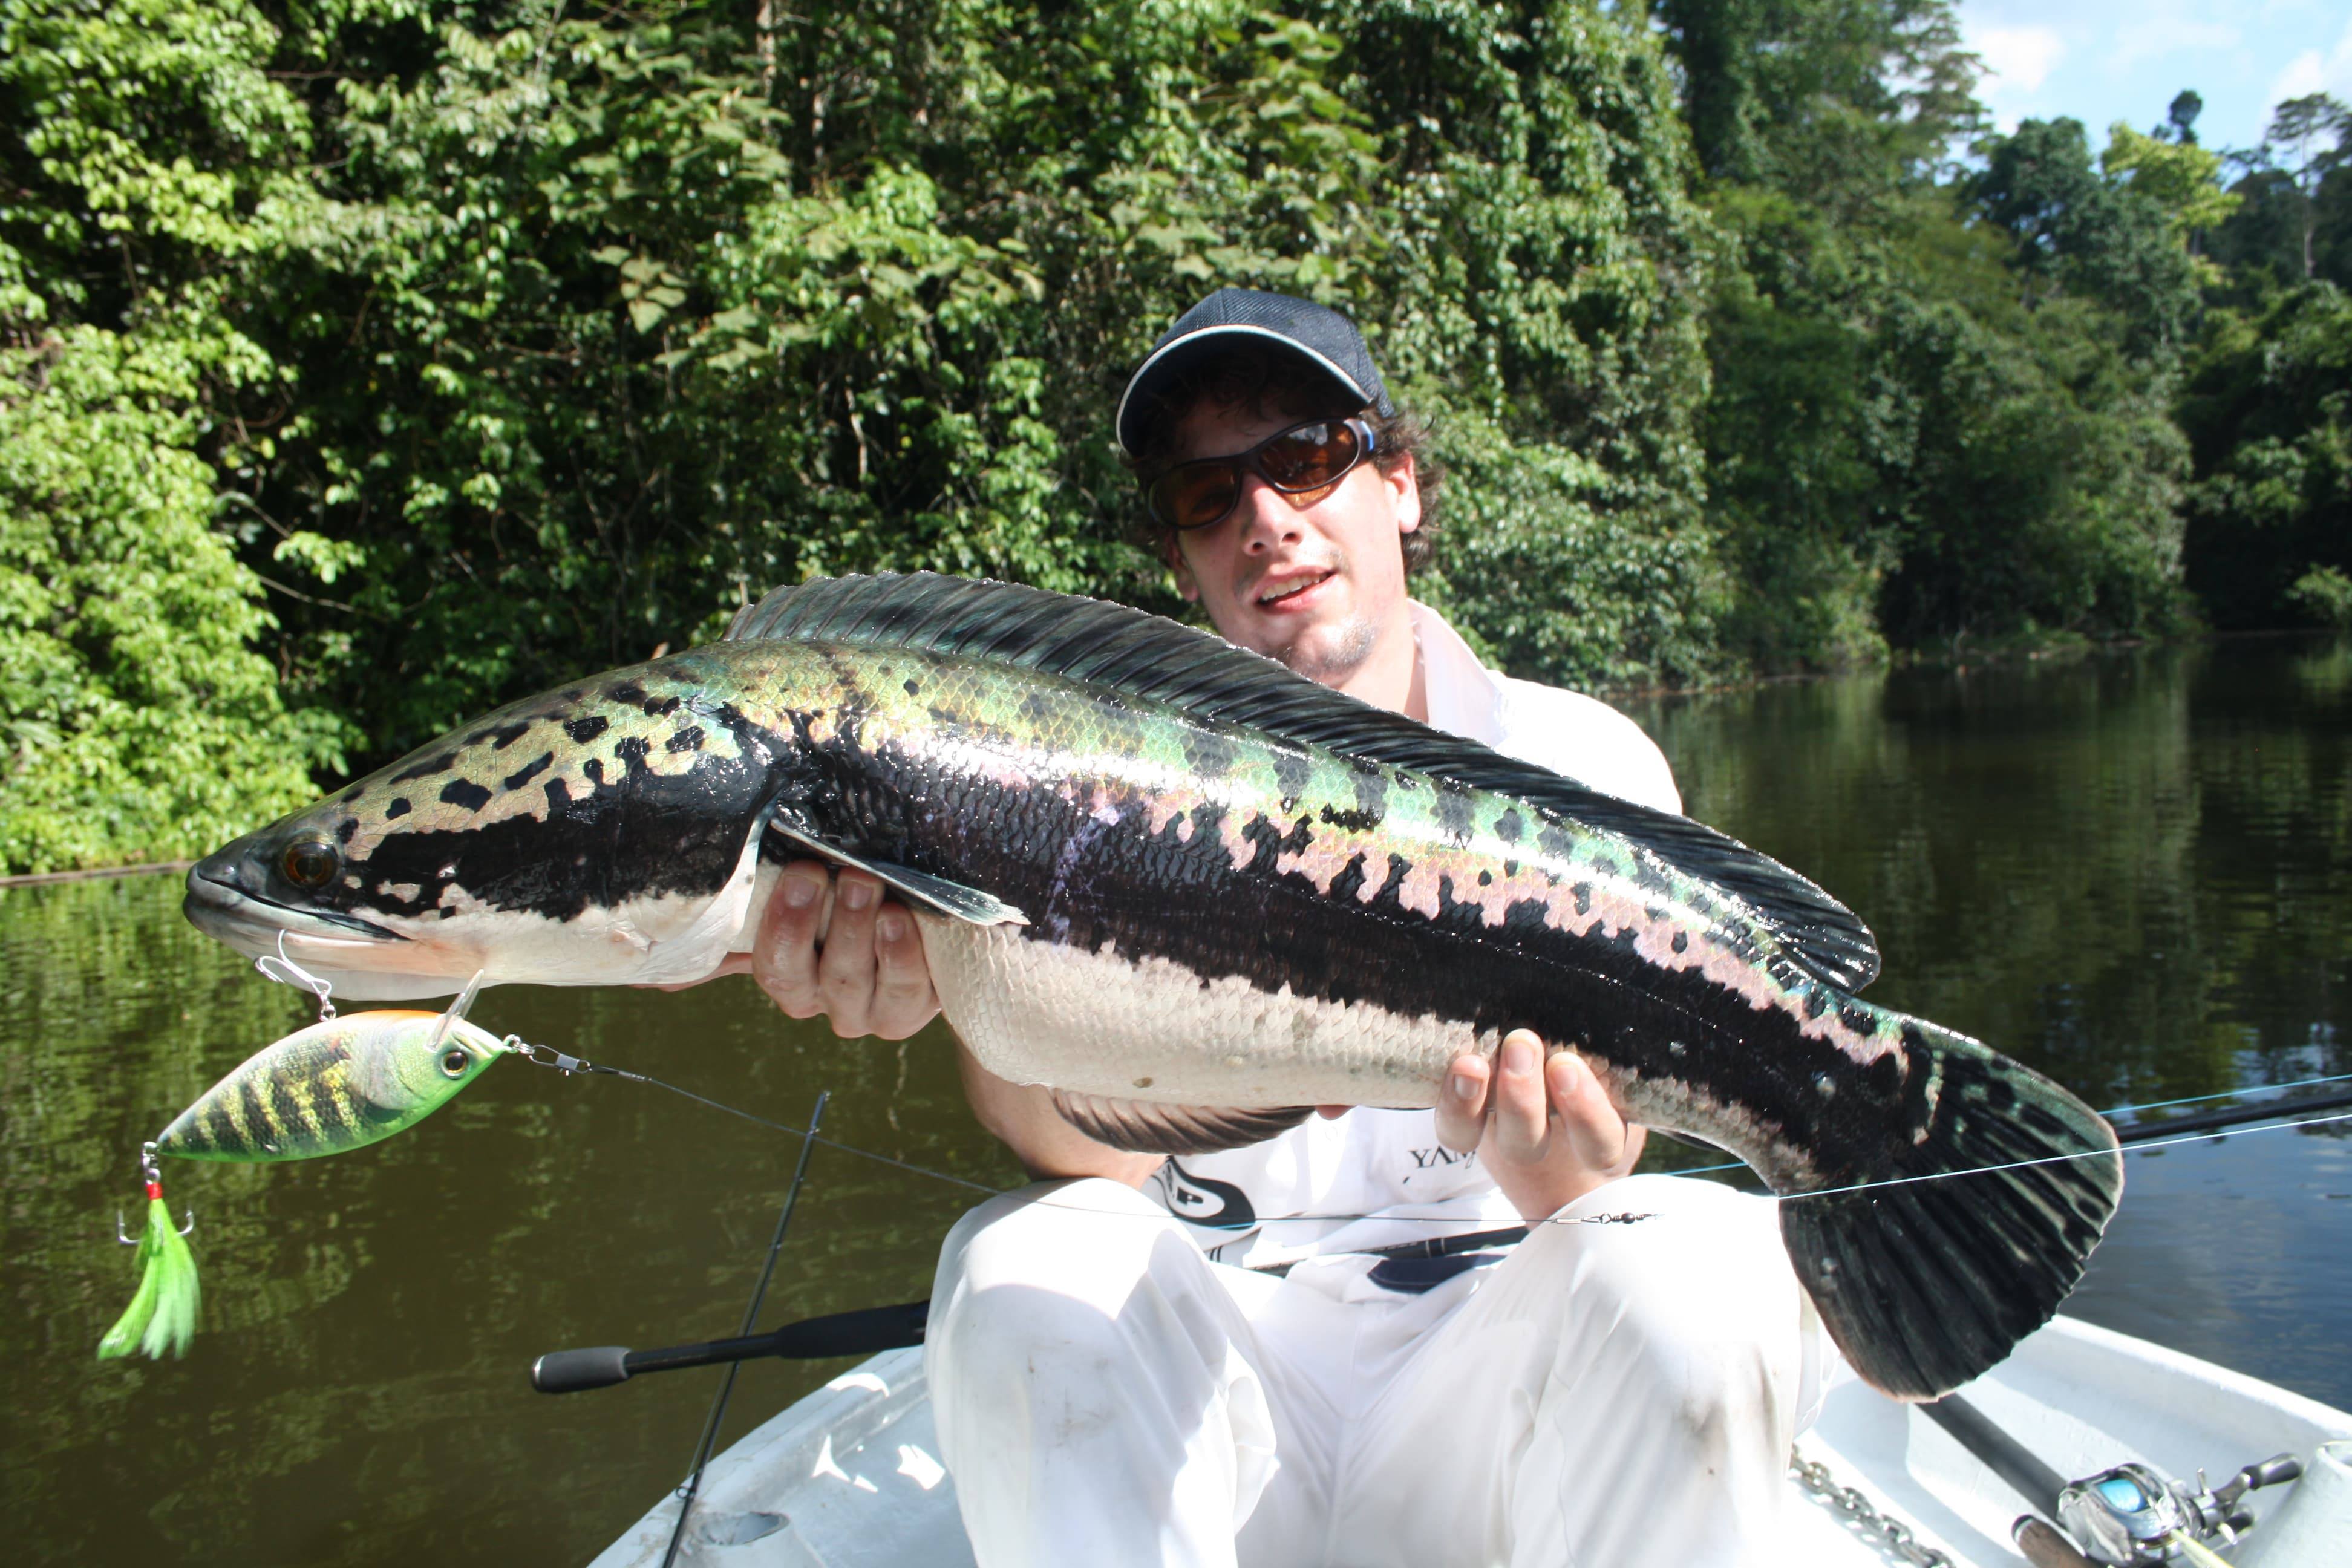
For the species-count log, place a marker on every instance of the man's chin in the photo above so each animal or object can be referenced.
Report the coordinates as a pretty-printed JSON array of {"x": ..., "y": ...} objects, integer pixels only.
[{"x": 1328, "y": 654}]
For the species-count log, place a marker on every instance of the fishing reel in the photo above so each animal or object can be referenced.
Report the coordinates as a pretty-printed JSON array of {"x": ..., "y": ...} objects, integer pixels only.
[{"x": 2134, "y": 1515}]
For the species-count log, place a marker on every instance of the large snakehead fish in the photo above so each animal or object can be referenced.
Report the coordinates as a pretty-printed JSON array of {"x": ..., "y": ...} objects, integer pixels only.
[{"x": 1195, "y": 893}]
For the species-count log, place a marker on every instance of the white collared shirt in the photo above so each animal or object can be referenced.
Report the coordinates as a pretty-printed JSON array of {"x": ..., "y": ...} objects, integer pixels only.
[{"x": 1388, "y": 1165}]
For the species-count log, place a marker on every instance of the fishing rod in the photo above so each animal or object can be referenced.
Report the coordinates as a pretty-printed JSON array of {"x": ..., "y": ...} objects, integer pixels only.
[{"x": 869, "y": 1330}]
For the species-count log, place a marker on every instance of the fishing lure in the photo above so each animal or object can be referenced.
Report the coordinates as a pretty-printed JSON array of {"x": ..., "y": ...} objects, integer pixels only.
[{"x": 340, "y": 1084}]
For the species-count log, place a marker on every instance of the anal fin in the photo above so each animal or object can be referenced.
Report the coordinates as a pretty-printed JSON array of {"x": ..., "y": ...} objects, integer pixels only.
[
  {"x": 1142, "y": 1127},
  {"x": 936, "y": 893}
]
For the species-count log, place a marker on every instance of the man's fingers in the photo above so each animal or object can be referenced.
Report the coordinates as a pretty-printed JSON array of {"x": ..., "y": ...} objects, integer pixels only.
[
  {"x": 903, "y": 998},
  {"x": 1461, "y": 1103},
  {"x": 784, "y": 961},
  {"x": 1521, "y": 1115},
  {"x": 1600, "y": 1137},
  {"x": 845, "y": 970}
]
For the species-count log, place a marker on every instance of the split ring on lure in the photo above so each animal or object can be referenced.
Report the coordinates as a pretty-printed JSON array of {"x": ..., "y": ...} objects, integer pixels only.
[{"x": 340, "y": 1084}]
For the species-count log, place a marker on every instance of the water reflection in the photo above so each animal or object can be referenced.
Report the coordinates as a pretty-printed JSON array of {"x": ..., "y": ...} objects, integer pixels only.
[{"x": 2133, "y": 871}]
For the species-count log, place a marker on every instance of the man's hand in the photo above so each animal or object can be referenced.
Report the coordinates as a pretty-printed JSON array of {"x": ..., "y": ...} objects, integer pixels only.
[
  {"x": 868, "y": 976},
  {"x": 1545, "y": 1129}
]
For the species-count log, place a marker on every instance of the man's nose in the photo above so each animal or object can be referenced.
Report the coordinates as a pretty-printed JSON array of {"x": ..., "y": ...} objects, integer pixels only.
[{"x": 1266, "y": 516}]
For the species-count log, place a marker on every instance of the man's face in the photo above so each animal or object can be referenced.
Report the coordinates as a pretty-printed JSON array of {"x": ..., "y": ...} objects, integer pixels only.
[{"x": 1316, "y": 580}]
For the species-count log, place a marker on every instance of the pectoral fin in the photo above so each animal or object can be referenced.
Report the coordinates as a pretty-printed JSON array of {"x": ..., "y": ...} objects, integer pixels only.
[
  {"x": 1142, "y": 1127},
  {"x": 936, "y": 893}
]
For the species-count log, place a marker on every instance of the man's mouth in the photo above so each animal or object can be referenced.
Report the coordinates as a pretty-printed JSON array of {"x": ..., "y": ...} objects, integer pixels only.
[{"x": 1291, "y": 587}]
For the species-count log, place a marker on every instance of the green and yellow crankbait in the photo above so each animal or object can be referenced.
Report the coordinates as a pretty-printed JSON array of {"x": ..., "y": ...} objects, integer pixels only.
[{"x": 340, "y": 1084}]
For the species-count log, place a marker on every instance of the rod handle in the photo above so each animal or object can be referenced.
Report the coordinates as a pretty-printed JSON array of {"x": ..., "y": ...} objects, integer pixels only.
[
  {"x": 570, "y": 1372},
  {"x": 2041, "y": 1545}
]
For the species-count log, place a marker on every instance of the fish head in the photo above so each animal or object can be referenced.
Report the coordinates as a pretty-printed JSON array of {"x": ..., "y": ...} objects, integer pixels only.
[
  {"x": 288, "y": 890},
  {"x": 582, "y": 837},
  {"x": 418, "y": 1063}
]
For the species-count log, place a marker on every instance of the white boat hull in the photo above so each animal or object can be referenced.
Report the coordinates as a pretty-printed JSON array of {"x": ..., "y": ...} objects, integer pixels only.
[{"x": 850, "y": 1476}]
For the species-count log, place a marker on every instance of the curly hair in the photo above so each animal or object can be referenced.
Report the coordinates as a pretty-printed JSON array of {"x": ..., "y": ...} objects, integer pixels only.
[{"x": 1258, "y": 380}]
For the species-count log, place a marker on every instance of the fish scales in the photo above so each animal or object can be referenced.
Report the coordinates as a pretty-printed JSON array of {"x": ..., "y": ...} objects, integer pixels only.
[{"x": 1144, "y": 879}]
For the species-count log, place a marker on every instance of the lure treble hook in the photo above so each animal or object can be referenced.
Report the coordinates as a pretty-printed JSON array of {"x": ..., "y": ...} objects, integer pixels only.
[{"x": 271, "y": 965}]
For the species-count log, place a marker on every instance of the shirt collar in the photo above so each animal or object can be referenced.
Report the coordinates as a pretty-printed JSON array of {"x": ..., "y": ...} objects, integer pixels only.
[{"x": 1462, "y": 695}]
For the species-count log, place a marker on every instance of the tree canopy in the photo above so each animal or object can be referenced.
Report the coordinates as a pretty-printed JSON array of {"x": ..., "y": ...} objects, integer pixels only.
[{"x": 368, "y": 362}]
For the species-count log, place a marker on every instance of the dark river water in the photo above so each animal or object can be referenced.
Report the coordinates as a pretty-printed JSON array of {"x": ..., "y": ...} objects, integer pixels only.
[{"x": 2132, "y": 871}]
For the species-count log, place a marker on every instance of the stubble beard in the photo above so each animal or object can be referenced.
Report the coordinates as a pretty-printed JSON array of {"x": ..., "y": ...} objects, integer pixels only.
[{"x": 1329, "y": 655}]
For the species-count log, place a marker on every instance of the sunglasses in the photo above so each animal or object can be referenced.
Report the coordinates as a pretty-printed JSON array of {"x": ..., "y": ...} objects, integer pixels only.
[{"x": 1309, "y": 457}]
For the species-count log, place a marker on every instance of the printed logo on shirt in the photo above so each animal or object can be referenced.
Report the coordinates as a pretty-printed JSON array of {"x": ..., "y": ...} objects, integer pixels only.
[
  {"x": 1438, "y": 1158},
  {"x": 1201, "y": 1200}
]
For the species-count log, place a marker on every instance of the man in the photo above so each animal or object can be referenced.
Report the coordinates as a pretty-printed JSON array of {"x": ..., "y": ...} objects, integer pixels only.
[{"x": 1112, "y": 1385}]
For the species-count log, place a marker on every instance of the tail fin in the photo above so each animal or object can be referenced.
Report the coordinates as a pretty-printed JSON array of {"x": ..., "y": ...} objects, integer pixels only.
[{"x": 1926, "y": 1284}]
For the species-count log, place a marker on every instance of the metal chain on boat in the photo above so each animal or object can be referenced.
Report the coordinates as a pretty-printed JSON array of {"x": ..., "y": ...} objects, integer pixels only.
[{"x": 1817, "y": 1480}]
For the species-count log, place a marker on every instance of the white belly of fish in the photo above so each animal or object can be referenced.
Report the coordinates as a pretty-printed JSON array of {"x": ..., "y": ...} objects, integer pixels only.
[{"x": 1150, "y": 1029}]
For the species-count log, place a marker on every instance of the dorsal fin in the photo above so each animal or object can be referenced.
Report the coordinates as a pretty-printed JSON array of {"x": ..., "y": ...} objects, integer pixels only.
[{"x": 1156, "y": 660}]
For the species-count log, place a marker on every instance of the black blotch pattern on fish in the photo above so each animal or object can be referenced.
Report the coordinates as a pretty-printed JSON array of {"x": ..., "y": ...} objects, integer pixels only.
[
  {"x": 399, "y": 807},
  {"x": 508, "y": 734},
  {"x": 687, "y": 739},
  {"x": 465, "y": 793},
  {"x": 587, "y": 727},
  {"x": 627, "y": 691},
  {"x": 529, "y": 770},
  {"x": 1356, "y": 821},
  {"x": 1509, "y": 825},
  {"x": 691, "y": 824},
  {"x": 345, "y": 828},
  {"x": 660, "y": 706},
  {"x": 1457, "y": 813},
  {"x": 1293, "y": 772},
  {"x": 1208, "y": 754},
  {"x": 914, "y": 687}
]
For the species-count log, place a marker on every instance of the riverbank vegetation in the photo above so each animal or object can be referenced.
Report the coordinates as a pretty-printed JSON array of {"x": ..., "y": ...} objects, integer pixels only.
[{"x": 364, "y": 362}]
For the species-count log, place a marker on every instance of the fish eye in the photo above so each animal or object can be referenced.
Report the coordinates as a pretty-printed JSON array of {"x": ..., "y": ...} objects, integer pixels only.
[
  {"x": 455, "y": 1061},
  {"x": 309, "y": 863}
]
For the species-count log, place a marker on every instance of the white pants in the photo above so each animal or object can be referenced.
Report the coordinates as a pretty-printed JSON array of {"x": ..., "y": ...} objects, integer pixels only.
[{"x": 1611, "y": 1396}]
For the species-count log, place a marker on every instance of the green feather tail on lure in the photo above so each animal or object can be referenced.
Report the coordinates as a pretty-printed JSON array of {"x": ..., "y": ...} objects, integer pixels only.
[
  {"x": 338, "y": 1085},
  {"x": 162, "y": 1318}
]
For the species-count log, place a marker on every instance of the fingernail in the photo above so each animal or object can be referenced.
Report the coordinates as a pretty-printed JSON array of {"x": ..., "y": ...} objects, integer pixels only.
[
  {"x": 892, "y": 925},
  {"x": 1461, "y": 1085},
  {"x": 1518, "y": 1057},
  {"x": 800, "y": 892},
  {"x": 856, "y": 895}
]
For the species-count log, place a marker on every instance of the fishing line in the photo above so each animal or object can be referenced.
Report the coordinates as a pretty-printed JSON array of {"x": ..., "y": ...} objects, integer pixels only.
[
  {"x": 2114, "y": 1110},
  {"x": 549, "y": 1056},
  {"x": 2062, "y": 1159},
  {"x": 2226, "y": 1093}
]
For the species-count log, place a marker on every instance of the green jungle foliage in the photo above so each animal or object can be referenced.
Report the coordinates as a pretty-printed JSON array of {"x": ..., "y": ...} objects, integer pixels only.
[{"x": 364, "y": 362}]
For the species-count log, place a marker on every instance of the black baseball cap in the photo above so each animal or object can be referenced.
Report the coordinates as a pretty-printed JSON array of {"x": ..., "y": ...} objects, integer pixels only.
[{"x": 1316, "y": 333}]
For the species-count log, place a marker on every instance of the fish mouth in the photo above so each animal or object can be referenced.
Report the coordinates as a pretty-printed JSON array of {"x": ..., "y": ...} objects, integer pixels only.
[
  {"x": 358, "y": 958},
  {"x": 221, "y": 908}
]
